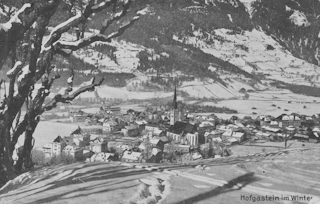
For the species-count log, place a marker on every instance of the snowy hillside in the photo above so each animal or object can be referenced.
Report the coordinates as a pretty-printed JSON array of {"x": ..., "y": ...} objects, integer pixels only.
[
  {"x": 254, "y": 51},
  {"x": 208, "y": 48}
]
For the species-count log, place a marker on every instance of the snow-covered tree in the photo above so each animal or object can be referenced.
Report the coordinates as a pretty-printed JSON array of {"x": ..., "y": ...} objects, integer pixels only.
[{"x": 29, "y": 43}]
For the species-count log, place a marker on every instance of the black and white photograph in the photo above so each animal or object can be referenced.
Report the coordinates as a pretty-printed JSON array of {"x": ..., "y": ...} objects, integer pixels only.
[{"x": 159, "y": 101}]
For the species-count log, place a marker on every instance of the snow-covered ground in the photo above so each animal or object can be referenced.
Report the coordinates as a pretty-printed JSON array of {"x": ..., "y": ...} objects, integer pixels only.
[
  {"x": 272, "y": 103},
  {"x": 126, "y": 57},
  {"x": 87, "y": 183},
  {"x": 47, "y": 131},
  {"x": 274, "y": 174}
]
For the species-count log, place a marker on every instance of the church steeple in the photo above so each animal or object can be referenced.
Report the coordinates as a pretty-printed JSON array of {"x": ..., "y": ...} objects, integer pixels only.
[
  {"x": 175, "y": 103},
  {"x": 176, "y": 114}
]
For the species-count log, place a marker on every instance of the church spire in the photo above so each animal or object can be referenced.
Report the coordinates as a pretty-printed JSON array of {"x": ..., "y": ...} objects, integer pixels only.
[{"x": 174, "y": 103}]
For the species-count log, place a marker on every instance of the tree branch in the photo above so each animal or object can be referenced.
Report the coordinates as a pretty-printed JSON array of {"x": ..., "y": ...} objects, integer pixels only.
[
  {"x": 68, "y": 98},
  {"x": 99, "y": 37},
  {"x": 76, "y": 20},
  {"x": 13, "y": 31},
  {"x": 19, "y": 130},
  {"x": 116, "y": 17}
]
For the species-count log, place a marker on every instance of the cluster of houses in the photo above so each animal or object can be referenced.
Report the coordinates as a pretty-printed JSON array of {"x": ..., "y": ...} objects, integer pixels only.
[{"x": 157, "y": 134}]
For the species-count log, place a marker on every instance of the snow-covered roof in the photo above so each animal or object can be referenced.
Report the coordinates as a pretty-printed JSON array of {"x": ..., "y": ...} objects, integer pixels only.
[
  {"x": 239, "y": 124},
  {"x": 217, "y": 139},
  {"x": 206, "y": 124},
  {"x": 123, "y": 147},
  {"x": 131, "y": 155},
  {"x": 263, "y": 134},
  {"x": 110, "y": 122},
  {"x": 196, "y": 155},
  {"x": 274, "y": 122},
  {"x": 290, "y": 128},
  {"x": 316, "y": 129},
  {"x": 142, "y": 146},
  {"x": 271, "y": 129},
  {"x": 237, "y": 134},
  {"x": 47, "y": 146},
  {"x": 289, "y": 117},
  {"x": 141, "y": 122},
  {"x": 227, "y": 133},
  {"x": 190, "y": 115},
  {"x": 71, "y": 148},
  {"x": 157, "y": 132},
  {"x": 155, "y": 151},
  {"x": 101, "y": 156},
  {"x": 232, "y": 140},
  {"x": 154, "y": 141},
  {"x": 301, "y": 136}
]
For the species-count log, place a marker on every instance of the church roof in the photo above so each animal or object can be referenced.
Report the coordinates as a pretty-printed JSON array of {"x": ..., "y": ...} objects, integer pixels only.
[{"x": 182, "y": 127}]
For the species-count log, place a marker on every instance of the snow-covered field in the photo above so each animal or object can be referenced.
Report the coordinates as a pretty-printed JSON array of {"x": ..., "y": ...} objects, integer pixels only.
[
  {"x": 270, "y": 103},
  {"x": 47, "y": 131}
]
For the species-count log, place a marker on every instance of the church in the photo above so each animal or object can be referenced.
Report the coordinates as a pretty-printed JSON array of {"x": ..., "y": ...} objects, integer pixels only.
[{"x": 176, "y": 114}]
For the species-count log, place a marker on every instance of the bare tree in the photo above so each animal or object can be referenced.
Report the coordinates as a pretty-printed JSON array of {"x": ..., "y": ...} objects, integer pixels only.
[{"x": 25, "y": 44}]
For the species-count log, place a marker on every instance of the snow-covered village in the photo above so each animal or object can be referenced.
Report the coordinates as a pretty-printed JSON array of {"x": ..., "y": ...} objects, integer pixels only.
[
  {"x": 167, "y": 101},
  {"x": 173, "y": 133}
]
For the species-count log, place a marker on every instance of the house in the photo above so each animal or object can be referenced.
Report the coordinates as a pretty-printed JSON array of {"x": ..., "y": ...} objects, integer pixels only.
[
  {"x": 130, "y": 131},
  {"x": 78, "y": 118},
  {"x": 110, "y": 110},
  {"x": 92, "y": 120},
  {"x": 109, "y": 126},
  {"x": 189, "y": 116},
  {"x": 196, "y": 155},
  {"x": 73, "y": 112},
  {"x": 238, "y": 136},
  {"x": 274, "y": 124},
  {"x": 270, "y": 129},
  {"x": 130, "y": 156},
  {"x": 157, "y": 143},
  {"x": 213, "y": 134},
  {"x": 141, "y": 124},
  {"x": 263, "y": 135},
  {"x": 234, "y": 119},
  {"x": 300, "y": 136},
  {"x": 227, "y": 127},
  {"x": 285, "y": 120},
  {"x": 264, "y": 120},
  {"x": 81, "y": 140},
  {"x": 130, "y": 141},
  {"x": 156, "y": 155},
  {"x": 165, "y": 118},
  {"x": 314, "y": 137},
  {"x": 74, "y": 151},
  {"x": 142, "y": 146},
  {"x": 102, "y": 157},
  {"x": 206, "y": 126},
  {"x": 54, "y": 148},
  {"x": 97, "y": 139},
  {"x": 217, "y": 139},
  {"x": 151, "y": 128},
  {"x": 99, "y": 146},
  {"x": 158, "y": 133}
]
